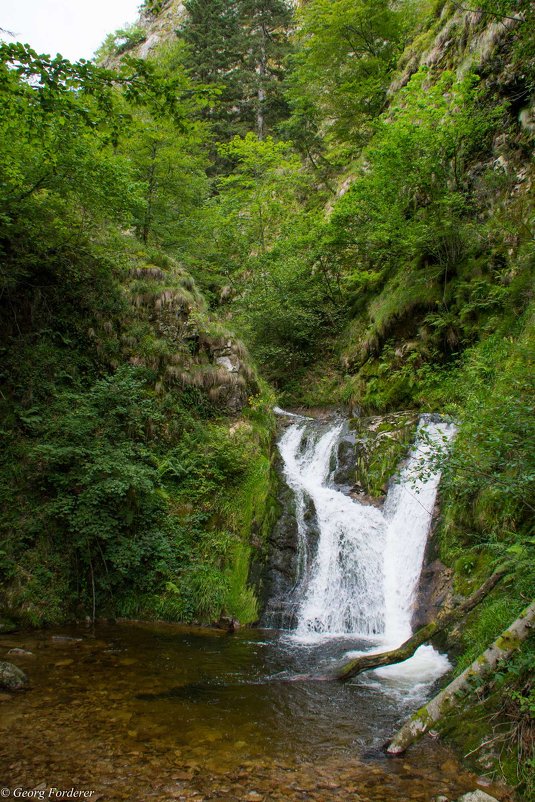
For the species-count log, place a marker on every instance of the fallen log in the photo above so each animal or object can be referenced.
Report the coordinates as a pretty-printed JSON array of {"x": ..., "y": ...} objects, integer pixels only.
[
  {"x": 366, "y": 662},
  {"x": 429, "y": 714}
]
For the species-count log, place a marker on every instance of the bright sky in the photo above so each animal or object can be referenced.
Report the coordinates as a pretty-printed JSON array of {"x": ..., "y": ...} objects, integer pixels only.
[{"x": 74, "y": 28}]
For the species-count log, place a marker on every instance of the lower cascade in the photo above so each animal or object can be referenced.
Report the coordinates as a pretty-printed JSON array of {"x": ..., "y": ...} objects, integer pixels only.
[{"x": 359, "y": 566}]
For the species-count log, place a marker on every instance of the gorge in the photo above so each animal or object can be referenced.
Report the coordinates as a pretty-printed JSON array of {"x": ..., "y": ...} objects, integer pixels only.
[{"x": 241, "y": 207}]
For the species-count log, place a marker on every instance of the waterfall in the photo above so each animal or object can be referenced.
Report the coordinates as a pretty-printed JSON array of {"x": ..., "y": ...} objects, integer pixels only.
[
  {"x": 341, "y": 587},
  {"x": 408, "y": 513},
  {"x": 362, "y": 577}
]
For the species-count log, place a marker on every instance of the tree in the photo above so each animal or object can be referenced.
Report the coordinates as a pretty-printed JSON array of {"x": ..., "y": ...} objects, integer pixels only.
[
  {"x": 262, "y": 189},
  {"x": 170, "y": 164},
  {"x": 342, "y": 65},
  {"x": 239, "y": 47},
  {"x": 212, "y": 34},
  {"x": 265, "y": 24},
  {"x": 501, "y": 650},
  {"x": 444, "y": 620}
]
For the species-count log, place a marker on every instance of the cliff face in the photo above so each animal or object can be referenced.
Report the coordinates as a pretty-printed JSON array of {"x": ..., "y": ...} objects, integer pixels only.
[
  {"x": 156, "y": 25},
  {"x": 159, "y": 26}
]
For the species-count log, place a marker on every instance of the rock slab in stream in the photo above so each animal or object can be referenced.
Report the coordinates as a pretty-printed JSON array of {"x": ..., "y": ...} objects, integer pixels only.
[
  {"x": 11, "y": 677},
  {"x": 477, "y": 796}
]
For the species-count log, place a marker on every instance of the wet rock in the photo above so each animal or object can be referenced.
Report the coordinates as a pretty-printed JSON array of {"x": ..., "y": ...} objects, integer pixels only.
[
  {"x": 229, "y": 624},
  {"x": 382, "y": 441},
  {"x": 20, "y": 653},
  {"x": 11, "y": 677},
  {"x": 280, "y": 571},
  {"x": 346, "y": 457},
  {"x": 65, "y": 639},
  {"x": 435, "y": 588},
  {"x": 477, "y": 796},
  {"x": 183, "y": 776}
]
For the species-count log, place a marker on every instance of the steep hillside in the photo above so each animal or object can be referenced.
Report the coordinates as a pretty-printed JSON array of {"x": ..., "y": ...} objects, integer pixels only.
[{"x": 135, "y": 440}]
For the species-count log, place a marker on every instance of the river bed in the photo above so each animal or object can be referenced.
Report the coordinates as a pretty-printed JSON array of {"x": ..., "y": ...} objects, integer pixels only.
[{"x": 161, "y": 712}]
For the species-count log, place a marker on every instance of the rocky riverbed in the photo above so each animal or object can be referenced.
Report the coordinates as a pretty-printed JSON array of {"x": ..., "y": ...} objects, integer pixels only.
[{"x": 138, "y": 712}]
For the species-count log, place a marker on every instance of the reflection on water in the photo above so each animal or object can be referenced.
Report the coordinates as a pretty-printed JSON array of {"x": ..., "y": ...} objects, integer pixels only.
[{"x": 161, "y": 712}]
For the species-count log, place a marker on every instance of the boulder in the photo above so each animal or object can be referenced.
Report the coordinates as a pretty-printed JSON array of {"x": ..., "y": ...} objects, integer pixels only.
[
  {"x": 477, "y": 796},
  {"x": 20, "y": 653},
  {"x": 11, "y": 677}
]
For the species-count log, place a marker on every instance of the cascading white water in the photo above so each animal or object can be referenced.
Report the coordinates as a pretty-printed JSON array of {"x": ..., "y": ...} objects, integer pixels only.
[
  {"x": 408, "y": 513},
  {"x": 363, "y": 578},
  {"x": 342, "y": 588}
]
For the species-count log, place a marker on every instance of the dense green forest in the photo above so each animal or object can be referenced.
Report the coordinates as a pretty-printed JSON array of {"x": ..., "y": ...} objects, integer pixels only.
[{"x": 241, "y": 202}]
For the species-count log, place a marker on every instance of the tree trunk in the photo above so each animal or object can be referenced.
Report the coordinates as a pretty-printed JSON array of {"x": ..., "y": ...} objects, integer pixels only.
[
  {"x": 430, "y": 713},
  {"x": 261, "y": 92},
  {"x": 367, "y": 662}
]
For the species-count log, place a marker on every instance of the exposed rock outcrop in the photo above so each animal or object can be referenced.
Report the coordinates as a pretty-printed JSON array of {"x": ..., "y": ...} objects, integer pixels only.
[
  {"x": 381, "y": 443},
  {"x": 192, "y": 349},
  {"x": 158, "y": 21}
]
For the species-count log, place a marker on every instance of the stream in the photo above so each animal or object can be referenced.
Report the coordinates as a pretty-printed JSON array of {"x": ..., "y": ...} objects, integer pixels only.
[{"x": 140, "y": 711}]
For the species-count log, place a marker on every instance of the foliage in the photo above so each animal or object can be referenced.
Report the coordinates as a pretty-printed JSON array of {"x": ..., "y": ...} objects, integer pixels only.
[
  {"x": 121, "y": 41},
  {"x": 153, "y": 6},
  {"x": 89, "y": 321},
  {"x": 411, "y": 195},
  {"x": 371, "y": 246},
  {"x": 170, "y": 167},
  {"x": 239, "y": 48},
  {"x": 340, "y": 69},
  {"x": 211, "y": 32},
  {"x": 490, "y": 475}
]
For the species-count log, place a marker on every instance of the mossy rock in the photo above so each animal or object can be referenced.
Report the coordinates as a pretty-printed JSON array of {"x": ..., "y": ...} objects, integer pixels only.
[
  {"x": 11, "y": 677},
  {"x": 382, "y": 442}
]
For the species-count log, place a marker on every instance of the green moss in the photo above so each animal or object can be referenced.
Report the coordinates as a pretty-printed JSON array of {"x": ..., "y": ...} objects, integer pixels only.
[
  {"x": 470, "y": 570},
  {"x": 381, "y": 444},
  {"x": 508, "y": 642},
  {"x": 492, "y": 726},
  {"x": 240, "y": 601}
]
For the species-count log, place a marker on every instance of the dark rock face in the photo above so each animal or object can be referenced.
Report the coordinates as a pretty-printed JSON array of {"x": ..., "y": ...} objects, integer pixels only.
[
  {"x": 435, "y": 588},
  {"x": 282, "y": 566},
  {"x": 285, "y": 573},
  {"x": 345, "y": 473},
  {"x": 230, "y": 625},
  {"x": 11, "y": 677},
  {"x": 434, "y": 591}
]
